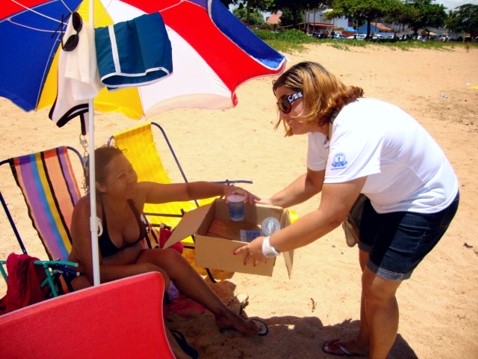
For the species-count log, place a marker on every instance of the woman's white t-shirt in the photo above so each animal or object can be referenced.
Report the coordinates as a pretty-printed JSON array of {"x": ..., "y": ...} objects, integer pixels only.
[{"x": 406, "y": 169}]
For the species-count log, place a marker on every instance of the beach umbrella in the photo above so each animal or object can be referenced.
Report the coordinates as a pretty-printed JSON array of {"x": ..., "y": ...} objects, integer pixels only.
[{"x": 212, "y": 52}]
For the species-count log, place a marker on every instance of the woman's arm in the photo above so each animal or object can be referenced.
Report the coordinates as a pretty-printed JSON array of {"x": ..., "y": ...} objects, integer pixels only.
[
  {"x": 300, "y": 190},
  {"x": 336, "y": 201},
  {"x": 81, "y": 238},
  {"x": 160, "y": 193}
]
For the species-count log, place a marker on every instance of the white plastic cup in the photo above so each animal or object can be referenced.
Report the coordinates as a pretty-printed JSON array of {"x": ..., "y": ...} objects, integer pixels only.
[{"x": 235, "y": 203}]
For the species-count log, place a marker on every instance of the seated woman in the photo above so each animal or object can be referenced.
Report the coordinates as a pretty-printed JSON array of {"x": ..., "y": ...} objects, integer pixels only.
[{"x": 120, "y": 200}]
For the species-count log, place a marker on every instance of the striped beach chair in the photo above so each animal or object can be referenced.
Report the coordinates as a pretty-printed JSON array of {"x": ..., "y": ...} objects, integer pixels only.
[{"x": 50, "y": 189}]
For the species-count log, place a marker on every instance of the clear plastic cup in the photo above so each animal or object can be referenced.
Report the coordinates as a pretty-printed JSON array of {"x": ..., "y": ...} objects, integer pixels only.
[
  {"x": 236, "y": 203},
  {"x": 270, "y": 225}
]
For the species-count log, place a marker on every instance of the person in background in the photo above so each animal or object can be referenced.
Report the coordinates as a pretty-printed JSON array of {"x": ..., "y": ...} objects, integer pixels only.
[
  {"x": 120, "y": 202},
  {"x": 362, "y": 145}
]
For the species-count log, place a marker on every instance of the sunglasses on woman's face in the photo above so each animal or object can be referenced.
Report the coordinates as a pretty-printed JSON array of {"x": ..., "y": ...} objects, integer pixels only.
[
  {"x": 285, "y": 102},
  {"x": 72, "y": 42}
]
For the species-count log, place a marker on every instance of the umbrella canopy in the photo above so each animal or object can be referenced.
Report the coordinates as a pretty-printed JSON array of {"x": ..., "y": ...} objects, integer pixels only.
[{"x": 213, "y": 53}]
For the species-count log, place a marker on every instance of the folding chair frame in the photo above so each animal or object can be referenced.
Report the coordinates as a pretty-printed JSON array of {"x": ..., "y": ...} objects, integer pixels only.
[
  {"x": 54, "y": 268},
  {"x": 178, "y": 164}
]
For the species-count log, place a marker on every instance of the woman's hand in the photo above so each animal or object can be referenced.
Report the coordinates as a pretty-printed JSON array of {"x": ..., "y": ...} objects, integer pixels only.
[
  {"x": 266, "y": 201},
  {"x": 249, "y": 197},
  {"x": 252, "y": 252}
]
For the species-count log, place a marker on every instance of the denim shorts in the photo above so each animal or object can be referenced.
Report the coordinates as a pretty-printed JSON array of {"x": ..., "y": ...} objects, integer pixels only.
[{"x": 397, "y": 242}]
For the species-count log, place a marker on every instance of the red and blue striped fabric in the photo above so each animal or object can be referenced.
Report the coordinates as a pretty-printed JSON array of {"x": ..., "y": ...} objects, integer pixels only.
[{"x": 51, "y": 191}]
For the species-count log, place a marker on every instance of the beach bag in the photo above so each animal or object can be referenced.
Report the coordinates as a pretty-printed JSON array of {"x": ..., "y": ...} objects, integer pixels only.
[
  {"x": 158, "y": 236},
  {"x": 351, "y": 225}
]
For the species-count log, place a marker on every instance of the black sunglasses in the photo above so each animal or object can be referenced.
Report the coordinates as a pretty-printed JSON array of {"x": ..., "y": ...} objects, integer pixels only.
[
  {"x": 285, "y": 102},
  {"x": 72, "y": 42}
]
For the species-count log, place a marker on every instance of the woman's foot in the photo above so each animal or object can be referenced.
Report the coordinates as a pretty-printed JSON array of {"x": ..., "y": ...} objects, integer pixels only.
[
  {"x": 245, "y": 326},
  {"x": 343, "y": 348}
]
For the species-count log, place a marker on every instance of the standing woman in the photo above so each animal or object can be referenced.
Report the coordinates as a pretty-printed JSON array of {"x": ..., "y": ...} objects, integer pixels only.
[
  {"x": 120, "y": 201},
  {"x": 359, "y": 145}
]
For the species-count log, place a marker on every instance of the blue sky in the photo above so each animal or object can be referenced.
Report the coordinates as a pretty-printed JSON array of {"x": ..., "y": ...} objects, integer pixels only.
[{"x": 451, "y": 4}]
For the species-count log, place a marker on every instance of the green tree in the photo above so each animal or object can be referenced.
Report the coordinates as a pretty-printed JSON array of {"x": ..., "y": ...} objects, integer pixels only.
[
  {"x": 249, "y": 7},
  {"x": 253, "y": 17},
  {"x": 422, "y": 14},
  {"x": 293, "y": 10},
  {"x": 362, "y": 11},
  {"x": 464, "y": 19}
]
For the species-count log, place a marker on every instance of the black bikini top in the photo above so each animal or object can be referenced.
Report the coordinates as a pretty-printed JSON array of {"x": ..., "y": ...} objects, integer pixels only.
[{"x": 107, "y": 247}]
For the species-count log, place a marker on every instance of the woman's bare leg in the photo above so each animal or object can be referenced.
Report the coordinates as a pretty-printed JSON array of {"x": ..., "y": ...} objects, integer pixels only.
[
  {"x": 360, "y": 345},
  {"x": 381, "y": 309},
  {"x": 363, "y": 338},
  {"x": 189, "y": 282},
  {"x": 80, "y": 282}
]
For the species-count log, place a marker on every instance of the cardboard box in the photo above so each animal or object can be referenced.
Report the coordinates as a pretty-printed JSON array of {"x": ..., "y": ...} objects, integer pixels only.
[{"x": 216, "y": 236}]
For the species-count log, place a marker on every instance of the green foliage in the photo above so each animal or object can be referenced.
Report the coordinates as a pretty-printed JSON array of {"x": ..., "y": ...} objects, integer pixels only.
[
  {"x": 260, "y": 5},
  {"x": 286, "y": 40},
  {"x": 249, "y": 17},
  {"x": 293, "y": 10},
  {"x": 422, "y": 14},
  {"x": 291, "y": 41},
  {"x": 464, "y": 19},
  {"x": 365, "y": 10},
  {"x": 294, "y": 35},
  {"x": 291, "y": 18}
]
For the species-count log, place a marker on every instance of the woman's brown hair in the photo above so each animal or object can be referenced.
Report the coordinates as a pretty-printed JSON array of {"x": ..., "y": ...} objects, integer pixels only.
[
  {"x": 324, "y": 94},
  {"x": 103, "y": 156}
]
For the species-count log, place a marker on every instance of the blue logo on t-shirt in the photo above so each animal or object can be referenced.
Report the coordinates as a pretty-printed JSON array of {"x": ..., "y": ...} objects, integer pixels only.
[{"x": 339, "y": 161}]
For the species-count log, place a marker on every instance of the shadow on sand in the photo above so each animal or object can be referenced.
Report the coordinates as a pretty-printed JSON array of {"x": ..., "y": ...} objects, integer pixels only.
[
  {"x": 289, "y": 337},
  {"x": 309, "y": 333}
]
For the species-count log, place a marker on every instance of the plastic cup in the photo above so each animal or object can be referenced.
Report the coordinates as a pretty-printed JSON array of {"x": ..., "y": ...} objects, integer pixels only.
[
  {"x": 270, "y": 225},
  {"x": 235, "y": 203}
]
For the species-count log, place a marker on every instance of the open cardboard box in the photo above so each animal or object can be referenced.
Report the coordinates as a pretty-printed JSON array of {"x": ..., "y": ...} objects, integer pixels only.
[{"x": 216, "y": 236}]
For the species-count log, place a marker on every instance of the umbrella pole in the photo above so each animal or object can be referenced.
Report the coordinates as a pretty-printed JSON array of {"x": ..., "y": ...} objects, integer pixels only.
[{"x": 92, "y": 184}]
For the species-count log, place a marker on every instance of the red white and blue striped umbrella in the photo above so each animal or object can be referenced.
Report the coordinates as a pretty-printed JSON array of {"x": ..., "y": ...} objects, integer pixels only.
[{"x": 213, "y": 53}]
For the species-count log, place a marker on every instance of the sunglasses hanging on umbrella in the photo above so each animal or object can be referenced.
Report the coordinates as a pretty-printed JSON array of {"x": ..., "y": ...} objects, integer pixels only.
[{"x": 72, "y": 41}]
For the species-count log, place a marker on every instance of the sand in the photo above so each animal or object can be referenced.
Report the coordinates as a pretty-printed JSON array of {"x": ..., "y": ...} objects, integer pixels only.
[{"x": 438, "y": 305}]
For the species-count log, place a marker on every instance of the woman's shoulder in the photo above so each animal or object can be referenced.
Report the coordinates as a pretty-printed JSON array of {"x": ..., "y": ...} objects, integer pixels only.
[
  {"x": 83, "y": 205},
  {"x": 365, "y": 104}
]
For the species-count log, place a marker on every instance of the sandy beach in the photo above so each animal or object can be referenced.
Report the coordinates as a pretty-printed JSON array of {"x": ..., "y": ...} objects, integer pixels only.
[{"x": 438, "y": 305}]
